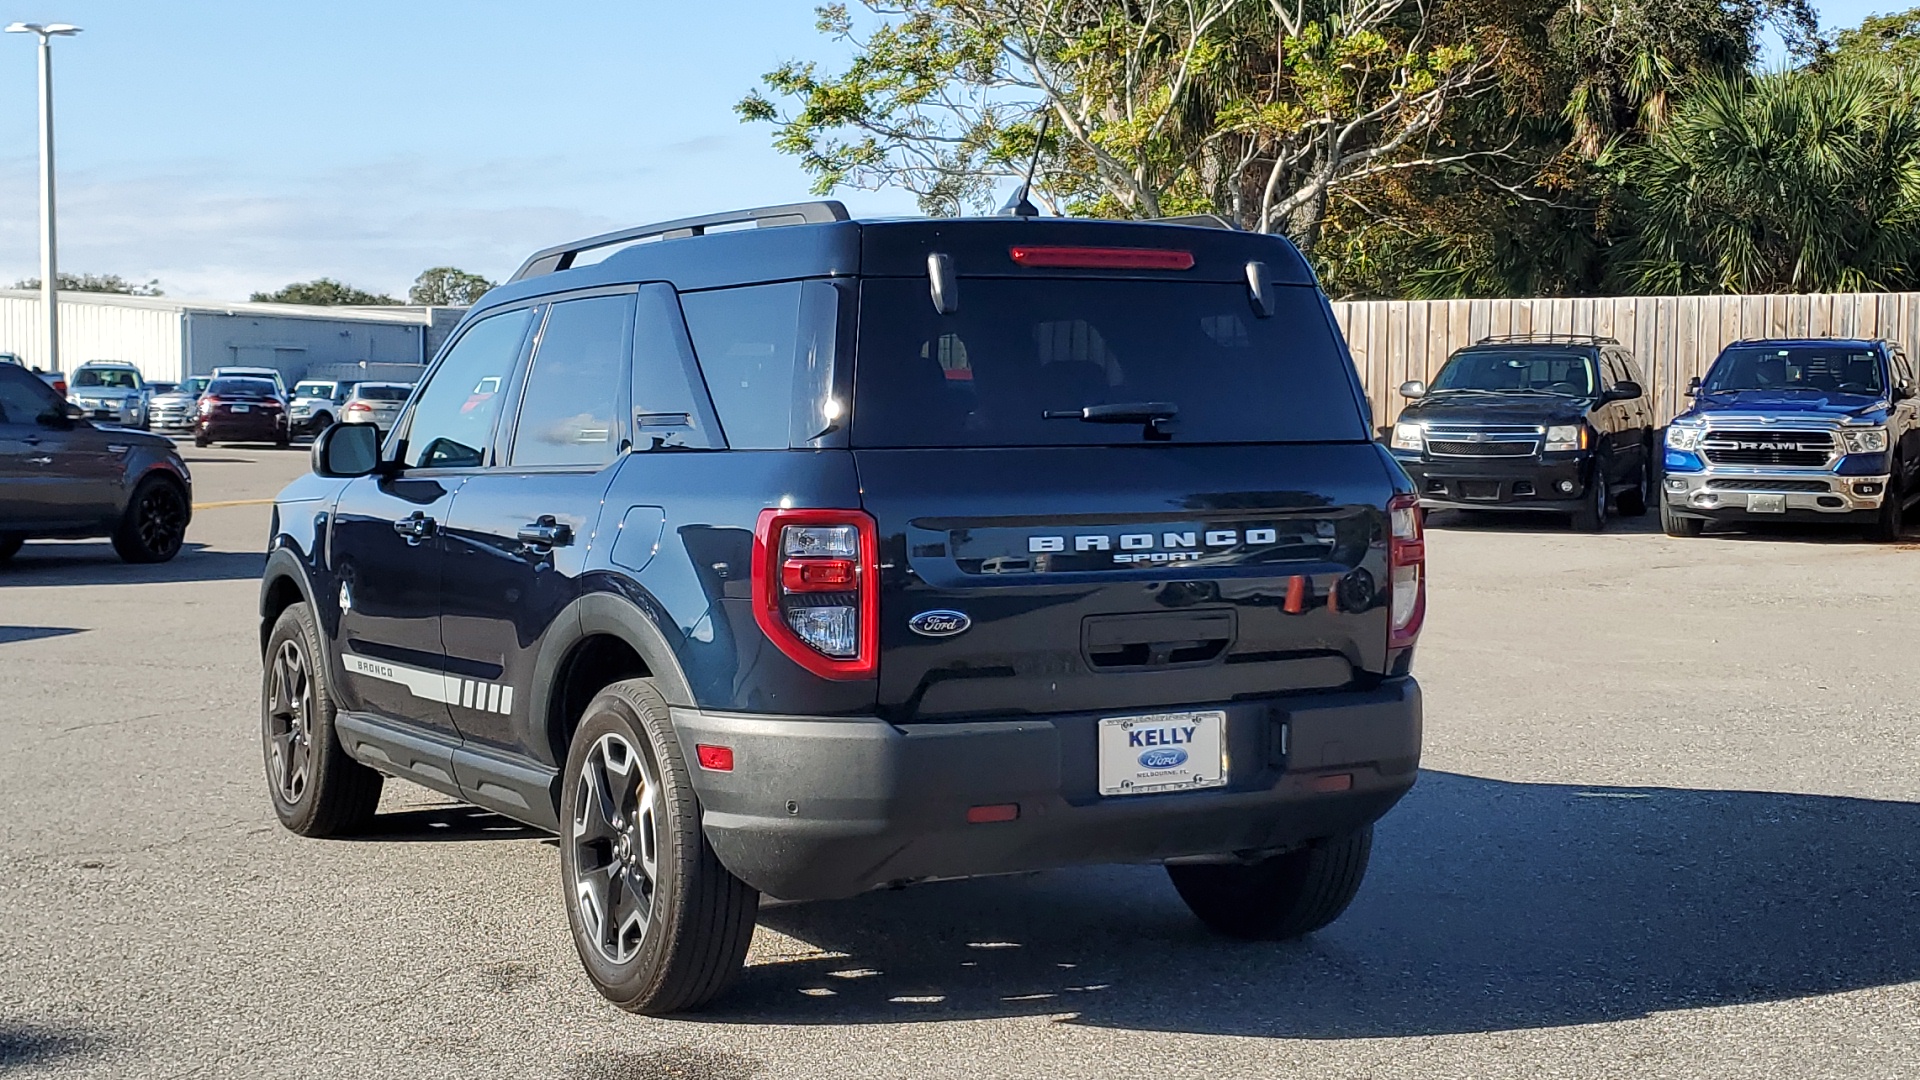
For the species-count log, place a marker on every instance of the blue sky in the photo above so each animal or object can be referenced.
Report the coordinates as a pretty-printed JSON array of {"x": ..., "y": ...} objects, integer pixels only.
[{"x": 224, "y": 147}]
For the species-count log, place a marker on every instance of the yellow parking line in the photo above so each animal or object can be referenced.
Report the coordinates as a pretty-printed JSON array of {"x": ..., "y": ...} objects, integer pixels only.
[{"x": 231, "y": 502}]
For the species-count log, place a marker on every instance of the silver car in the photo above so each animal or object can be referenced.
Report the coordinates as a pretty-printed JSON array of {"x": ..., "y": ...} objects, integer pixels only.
[
  {"x": 111, "y": 392},
  {"x": 376, "y": 403},
  {"x": 174, "y": 411}
]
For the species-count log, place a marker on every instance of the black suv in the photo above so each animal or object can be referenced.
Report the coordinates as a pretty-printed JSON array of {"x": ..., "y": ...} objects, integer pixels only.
[
  {"x": 1531, "y": 422},
  {"x": 63, "y": 477},
  {"x": 823, "y": 555}
]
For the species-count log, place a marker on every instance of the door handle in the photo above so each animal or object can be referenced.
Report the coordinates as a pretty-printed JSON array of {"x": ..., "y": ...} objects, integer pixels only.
[
  {"x": 41, "y": 460},
  {"x": 415, "y": 526},
  {"x": 547, "y": 532}
]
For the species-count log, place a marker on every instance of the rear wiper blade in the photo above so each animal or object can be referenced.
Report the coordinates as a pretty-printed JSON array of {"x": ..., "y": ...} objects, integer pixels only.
[{"x": 1131, "y": 412}]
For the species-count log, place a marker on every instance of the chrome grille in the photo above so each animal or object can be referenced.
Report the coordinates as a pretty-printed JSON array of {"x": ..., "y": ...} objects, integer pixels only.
[
  {"x": 1738, "y": 446},
  {"x": 1722, "y": 483}
]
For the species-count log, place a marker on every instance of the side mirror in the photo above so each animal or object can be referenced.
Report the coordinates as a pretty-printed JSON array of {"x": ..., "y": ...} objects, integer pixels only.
[
  {"x": 1413, "y": 389},
  {"x": 72, "y": 412},
  {"x": 346, "y": 450},
  {"x": 1693, "y": 386},
  {"x": 1904, "y": 391},
  {"x": 1624, "y": 390}
]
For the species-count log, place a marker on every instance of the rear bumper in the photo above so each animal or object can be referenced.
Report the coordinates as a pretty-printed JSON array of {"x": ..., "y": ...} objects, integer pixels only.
[
  {"x": 820, "y": 807},
  {"x": 1492, "y": 484},
  {"x": 268, "y": 426}
]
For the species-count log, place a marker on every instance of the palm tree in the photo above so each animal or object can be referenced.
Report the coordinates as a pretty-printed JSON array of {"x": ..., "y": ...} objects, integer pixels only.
[{"x": 1799, "y": 181}]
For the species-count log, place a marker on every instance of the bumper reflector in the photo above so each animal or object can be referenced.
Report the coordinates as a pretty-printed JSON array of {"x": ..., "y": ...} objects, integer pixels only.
[
  {"x": 986, "y": 815},
  {"x": 1335, "y": 782},
  {"x": 715, "y": 758}
]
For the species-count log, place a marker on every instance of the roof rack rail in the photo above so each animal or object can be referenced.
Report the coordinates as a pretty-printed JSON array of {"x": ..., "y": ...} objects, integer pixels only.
[
  {"x": 1204, "y": 221},
  {"x": 1598, "y": 339},
  {"x": 562, "y": 256}
]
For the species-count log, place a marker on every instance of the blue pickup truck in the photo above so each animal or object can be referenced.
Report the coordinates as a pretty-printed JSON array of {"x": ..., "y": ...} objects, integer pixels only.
[{"x": 1817, "y": 430}]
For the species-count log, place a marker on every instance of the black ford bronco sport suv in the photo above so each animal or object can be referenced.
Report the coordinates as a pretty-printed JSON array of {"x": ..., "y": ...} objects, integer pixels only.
[
  {"x": 821, "y": 555},
  {"x": 1532, "y": 422}
]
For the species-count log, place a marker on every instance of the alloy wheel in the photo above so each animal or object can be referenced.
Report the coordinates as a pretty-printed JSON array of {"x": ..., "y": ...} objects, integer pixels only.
[
  {"x": 615, "y": 833},
  {"x": 290, "y": 723},
  {"x": 160, "y": 521}
]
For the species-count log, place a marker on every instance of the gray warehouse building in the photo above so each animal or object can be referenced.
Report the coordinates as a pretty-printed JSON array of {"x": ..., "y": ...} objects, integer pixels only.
[{"x": 170, "y": 339}]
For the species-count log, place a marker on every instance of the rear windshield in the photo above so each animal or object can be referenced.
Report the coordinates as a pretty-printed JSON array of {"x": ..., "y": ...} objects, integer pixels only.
[
  {"x": 383, "y": 393},
  {"x": 242, "y": 388},
  {"x": 1018, "y": 349},
  {"x": 1822, "y": 368}
]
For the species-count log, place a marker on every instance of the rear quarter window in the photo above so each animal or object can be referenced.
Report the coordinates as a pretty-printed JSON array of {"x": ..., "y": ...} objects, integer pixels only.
[
  {"x": 1017, "y": 349},
  {"x": 745, "y": 339}
]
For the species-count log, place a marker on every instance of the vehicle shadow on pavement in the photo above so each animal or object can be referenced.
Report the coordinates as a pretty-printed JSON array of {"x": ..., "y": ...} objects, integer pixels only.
[
  {"x": 1490, "y": 906},
  {"x": 95, "y": 563},
  {"x": 12, "y": 634},
  {"x": 22, "y": 1045},
  {"x": 1494, "y": 521},
  {"x": 443, "y": 823}
]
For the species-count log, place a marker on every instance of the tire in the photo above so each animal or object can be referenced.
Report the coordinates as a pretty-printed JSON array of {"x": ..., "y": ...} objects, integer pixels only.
[
  {"x": 1592, "y": 515},
  {"x": 320, "y": 423},
  {"x": 1277, "y": 899},
  {"x": 1675, "y": 525},
  {"x": 1634, "y": 503},
  {"x": 200, "y": 440},
  {"x": 10, "y": 544},
  {"x": 1891, "y": 523},
  {"x": 316, "y": 789},
  {"x": 154, "y": 524},
  {"x": 626, "y": 792}
]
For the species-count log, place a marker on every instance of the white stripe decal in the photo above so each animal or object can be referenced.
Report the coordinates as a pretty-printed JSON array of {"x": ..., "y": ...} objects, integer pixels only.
[
  {"x": 435, "y": 686},
  {"x": 467, "y": 688},
  {"x": 506, "y": 700}
]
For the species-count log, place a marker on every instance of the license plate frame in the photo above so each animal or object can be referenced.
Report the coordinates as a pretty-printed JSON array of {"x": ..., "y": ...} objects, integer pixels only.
[
  {"x": 242, "y": 408},
  {"x": 1197, "y": 738},
  {"x": 1763, "y": 503}
]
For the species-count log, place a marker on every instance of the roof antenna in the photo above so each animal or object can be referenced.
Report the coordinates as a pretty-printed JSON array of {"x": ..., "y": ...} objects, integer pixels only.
[{"x": 1018, "y": 205}]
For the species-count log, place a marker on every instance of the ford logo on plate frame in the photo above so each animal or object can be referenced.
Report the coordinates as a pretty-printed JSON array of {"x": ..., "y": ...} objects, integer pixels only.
[
  {"x": 939, "y": 623},
  {"x": 1163, "y": 757}
]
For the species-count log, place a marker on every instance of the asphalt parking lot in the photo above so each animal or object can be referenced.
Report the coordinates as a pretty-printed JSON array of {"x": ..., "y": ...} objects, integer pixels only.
[{"x": 1669, "y": 826}]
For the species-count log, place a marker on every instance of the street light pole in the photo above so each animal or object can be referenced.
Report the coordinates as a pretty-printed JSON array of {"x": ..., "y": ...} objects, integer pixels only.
[{"x": 49, "y": 281}]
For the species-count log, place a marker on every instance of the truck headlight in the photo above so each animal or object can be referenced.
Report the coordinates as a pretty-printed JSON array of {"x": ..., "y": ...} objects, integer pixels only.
[
  {"x": 1865, "y": 440},
  {"x": 1567, "y": 437},
  {"x": 1408, "y": 437},
  {"x": 1684, "y": 438}
]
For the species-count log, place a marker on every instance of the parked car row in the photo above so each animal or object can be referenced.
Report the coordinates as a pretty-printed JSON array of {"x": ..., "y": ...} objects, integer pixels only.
[{"x": 1812, "y": 429}]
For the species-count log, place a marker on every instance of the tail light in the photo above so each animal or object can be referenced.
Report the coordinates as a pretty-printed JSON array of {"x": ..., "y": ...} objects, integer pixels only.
[
  {"x": 1103, "y": 258},
  {"x": 816, "y": 589},
  {"x": 359, "y": 406},
  {"x": 1407, "y": 565},
  {"x": 207, "y": 403},
  {"x": 60, "y": 387}
]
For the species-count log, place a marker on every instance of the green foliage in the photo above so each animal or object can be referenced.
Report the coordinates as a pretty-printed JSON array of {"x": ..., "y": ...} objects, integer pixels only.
[
  {"x": 97, "y": 283},
  {"x": 447, "y": 286},
  {"x": 1894, "y": 38},
  {"x": 1793, "y": 182},
  {"x": 325, "y": 292}
]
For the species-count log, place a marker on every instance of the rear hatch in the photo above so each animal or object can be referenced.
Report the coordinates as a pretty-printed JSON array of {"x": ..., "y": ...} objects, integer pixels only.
[{"x": 1038, "y": 558}]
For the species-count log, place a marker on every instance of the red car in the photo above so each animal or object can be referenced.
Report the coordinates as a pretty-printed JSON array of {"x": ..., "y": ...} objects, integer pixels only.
[{"x": 241, "y": 410}]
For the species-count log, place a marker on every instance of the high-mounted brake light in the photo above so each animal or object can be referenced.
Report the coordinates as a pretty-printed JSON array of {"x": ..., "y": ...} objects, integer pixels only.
[
  {"x": 1104, "y": 258},
  {"x": 816, "y": 589},
  {"x": 1407, "y": 563}
]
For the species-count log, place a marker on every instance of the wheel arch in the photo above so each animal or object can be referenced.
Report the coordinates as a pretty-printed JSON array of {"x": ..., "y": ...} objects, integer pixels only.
[
  {"x": 282, "y": 584},
  {"x": 610, "y": 638}
]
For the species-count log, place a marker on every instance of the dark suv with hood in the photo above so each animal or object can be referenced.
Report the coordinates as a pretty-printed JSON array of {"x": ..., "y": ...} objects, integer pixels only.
[
  {"x": 1819, "y": 429},
  {"x": 1533, "y": 423},
  {"x": 821, "y": 555}
]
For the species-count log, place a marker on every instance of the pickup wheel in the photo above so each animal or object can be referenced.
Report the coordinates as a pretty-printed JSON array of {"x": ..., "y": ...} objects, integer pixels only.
[
  {"x": 661, "y": 927},
  {"x": 1286, "y": 896},
  {"x": 1674, "y": 524},
  {"x": 1591, "y": 517},
  {"x": 1892, "y": 521},
  {"x": 317, "y": 790},
  {"x": 154, "y": 524},
  {"x": 10, "y": 544}
]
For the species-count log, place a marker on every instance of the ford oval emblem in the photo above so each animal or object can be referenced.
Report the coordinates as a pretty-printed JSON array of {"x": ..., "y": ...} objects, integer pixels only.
[
  {"x": 941, "y": 623},
  {"x": 1163, "y": 757}
]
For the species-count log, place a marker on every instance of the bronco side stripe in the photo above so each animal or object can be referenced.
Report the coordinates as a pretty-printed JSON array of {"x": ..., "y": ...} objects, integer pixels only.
[{"x": 436, "y": 686}]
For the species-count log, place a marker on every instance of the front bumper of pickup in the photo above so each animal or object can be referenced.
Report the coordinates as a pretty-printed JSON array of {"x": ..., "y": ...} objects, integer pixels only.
[
  {"x": 1555, "y": 483},
  {"x": 1723, "y": 494},
  {"x": 822, "y": 807}
]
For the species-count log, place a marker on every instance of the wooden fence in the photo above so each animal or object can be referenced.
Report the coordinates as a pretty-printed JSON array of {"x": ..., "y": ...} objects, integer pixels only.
[{"x": 1674, "y": 338}]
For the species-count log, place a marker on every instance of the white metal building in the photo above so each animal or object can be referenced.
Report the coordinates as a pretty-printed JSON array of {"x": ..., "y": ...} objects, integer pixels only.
[{"x": 169, "y": 339}]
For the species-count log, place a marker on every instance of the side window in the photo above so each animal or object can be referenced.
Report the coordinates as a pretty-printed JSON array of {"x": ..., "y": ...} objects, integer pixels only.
[
  {"x": 669, "y": 398},
  {"x": 746, "y": 339},
  {"x": 23, "y": 397},
  {"x": 453, "y": 416},
  {"x": 569, "y": 409},
  {"x": 1902, "y": 367}
]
